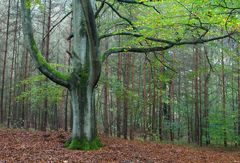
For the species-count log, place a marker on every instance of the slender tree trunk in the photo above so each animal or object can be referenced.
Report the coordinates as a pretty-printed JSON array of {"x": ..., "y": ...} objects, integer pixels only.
[
  {"x": 224, "y": 100},
  {"x": 171, "y": 111},
  {"x": 41, "y": 111},
  {"x": 154, "y": 115},
  {"x": 25, "y": 104},
  {"x": 106, "y": 101},
  {"x": 144, "y": 99},
  {"x": 119, "y": 103},
  {"x": 132, "y": 105},
  {"x": 179, "y": 95},
  {"x": 15, "y": 106},
  {"x": 186, "y": 86},
  {"x": 206, "y": 101},
  {"x": 149, "y": 97},
  {"x": 161, "y": 104},
  {"x": 200, "y": 102},
  {"x": 46, "y": 105},
  {"x": 197, "y": 132},
  {"x": 111, "y": 117},
  {"x": 126, "y": 98},
  {"x": 4, "y": 66},
  {"x": 234, "y": 98},
  {"x": 161, "y": 112},
  {"x": 12, "y": 75}
]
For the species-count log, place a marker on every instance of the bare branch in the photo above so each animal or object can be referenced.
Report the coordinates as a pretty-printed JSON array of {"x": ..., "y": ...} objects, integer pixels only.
[{"x": 55, "y": 25}]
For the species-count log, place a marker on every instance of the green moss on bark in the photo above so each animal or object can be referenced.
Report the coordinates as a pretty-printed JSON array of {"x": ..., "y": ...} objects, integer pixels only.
[
  {"x": 96, "y": 144},
  {"x": 42, "y": 61},
  {"x": 83, "y": 144},
  {"x": 75, "y": 144}
]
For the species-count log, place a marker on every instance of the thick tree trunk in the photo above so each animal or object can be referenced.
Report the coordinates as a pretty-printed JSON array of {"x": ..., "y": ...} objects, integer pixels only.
[
  {"x": 84, "y": 134},
  {"x": 85, "y": 75},
  {"x": 83, "y": 112}
]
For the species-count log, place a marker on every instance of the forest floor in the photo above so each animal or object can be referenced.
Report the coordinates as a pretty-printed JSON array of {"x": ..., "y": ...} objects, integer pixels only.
[{"x": 34, "y": 146}]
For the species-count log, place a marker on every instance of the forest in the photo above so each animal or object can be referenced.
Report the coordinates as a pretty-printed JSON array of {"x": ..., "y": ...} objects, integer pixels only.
[{"x": 120, "y": 81}]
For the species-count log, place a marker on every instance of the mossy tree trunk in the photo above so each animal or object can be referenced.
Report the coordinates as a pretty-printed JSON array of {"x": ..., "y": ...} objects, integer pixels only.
[
  {"x": 84, "y": 121},
  {"x": 86, "y": 70}
]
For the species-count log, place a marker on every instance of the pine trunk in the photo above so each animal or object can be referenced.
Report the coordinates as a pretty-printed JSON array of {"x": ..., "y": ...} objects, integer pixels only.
[
  {"x": 119, "y": 101},
  {"x": 223, "y": 100},
  {"x": 2, "y": 110}
]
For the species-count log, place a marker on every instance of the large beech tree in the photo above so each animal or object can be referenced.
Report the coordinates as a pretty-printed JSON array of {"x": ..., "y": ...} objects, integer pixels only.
[{"x": 86, "y": 59}]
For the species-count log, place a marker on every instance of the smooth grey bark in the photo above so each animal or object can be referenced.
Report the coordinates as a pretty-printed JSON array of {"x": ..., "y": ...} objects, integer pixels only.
[{"x": 86, "y": 69}]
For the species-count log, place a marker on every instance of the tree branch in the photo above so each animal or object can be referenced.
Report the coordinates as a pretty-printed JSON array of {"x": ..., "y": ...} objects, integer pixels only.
[
  {"x": 120, "y": 16},
  {"x": 100, "y": 8},
  {"x": 55, "y": 25},
  {"x": 135, "y": 35},
  {"x": 44, "y": 67},
  {"x": 159, "y": 48},
  {"x": 136, "y": 50},
  {"x": 197, "y": 41}
]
